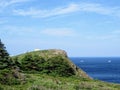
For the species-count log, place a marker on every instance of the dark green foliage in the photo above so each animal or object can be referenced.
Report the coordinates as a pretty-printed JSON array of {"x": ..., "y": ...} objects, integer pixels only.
[
  {"x": 9, "y": 74},
  {"x": 7, "y": 77},
  {"x": 57, "y": 65},
  {"x": 16, "y": 62},
  {"x": 31, "y": 62},
  {"x": 1, "y": 88},
  {"x": 5, "y": 61}
]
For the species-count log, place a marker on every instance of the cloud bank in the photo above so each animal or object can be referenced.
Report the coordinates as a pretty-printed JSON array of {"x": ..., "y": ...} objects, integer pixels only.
[
  {"x": 6, "y": 3},
  {"x": 32, "y": 31},
  {"x": 71, "y": 8}
]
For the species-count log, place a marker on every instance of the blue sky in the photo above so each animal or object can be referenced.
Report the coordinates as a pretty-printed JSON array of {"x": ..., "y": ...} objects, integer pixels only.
[{"x": 81, "y": 27}]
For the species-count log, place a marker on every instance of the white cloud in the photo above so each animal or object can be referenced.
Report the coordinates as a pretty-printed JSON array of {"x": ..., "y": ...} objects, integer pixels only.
[
  {"x": 47, "y": 13},
  {"x": 5, "y": 3},
  {"x": 5, "y": 6},
  {"x": 71, "y": 8},
  {"x": 101, "y": 9},
  {"x": 103, "y": 37},
  {"x": 36, "y": 32},
  {"x": 59, "y": 32},
  {"x": 94, "y": 7},
  {"x": 16, "y": 31},
  {"x": 112, "y": 35}
]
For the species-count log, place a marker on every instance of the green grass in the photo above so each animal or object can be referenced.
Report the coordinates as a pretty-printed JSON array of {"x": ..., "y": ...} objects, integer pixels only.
[
  {"x": 46, "y": 82},
  {"x": 48, "y": 70}
]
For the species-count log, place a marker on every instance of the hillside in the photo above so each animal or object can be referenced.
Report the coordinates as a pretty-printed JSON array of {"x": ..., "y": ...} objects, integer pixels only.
[
  {"x": 51, "y": 61},
  {"x": 51, "y": 70}
]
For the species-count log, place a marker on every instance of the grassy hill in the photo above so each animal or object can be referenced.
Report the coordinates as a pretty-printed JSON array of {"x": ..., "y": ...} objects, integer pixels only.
[
  {"x": 52, "y": 70},
  {"x": 46, "y": 82},
  {"x": 51, "y": 61}
]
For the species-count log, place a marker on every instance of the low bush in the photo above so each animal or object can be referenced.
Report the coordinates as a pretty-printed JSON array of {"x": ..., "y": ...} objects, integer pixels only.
[
  {"x": 56, "y": 66},
  {"x": 11, "y": 77}
]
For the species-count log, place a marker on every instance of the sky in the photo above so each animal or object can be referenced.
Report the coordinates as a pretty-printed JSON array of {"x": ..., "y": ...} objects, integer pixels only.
[{"x": 83, "y": 28}]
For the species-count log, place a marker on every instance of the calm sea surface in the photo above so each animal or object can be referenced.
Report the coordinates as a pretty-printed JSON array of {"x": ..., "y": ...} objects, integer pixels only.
[{"x": 102, "y": 68}]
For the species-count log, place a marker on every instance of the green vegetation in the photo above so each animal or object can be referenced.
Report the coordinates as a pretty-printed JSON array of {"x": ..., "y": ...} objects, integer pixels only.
[
  {"x": 45, "y": 70},
  {"x": 47, "y": 82},
  {"x": 51, "y": 62},
  {"x": 56, "y": 66},
  {"x": 5, "y": 61},
  {"x": 9, "y": 75}
]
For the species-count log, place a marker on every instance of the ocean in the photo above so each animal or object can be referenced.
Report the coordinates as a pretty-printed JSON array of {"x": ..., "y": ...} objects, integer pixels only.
[{"x": 100, "y": 68}]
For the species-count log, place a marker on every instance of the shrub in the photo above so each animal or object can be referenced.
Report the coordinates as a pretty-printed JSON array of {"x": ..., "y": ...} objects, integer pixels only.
[
  {"x": 31, "y": 62},
  {"x": 11, "y": 77},
  {"x": 5, "y": 60},
  {"x": 56, "y": 66}
]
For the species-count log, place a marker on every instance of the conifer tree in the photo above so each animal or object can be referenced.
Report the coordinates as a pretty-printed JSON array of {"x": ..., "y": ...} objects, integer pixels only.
[
  {"x": 5, "y": 61},
  {"x": 9, "y": 74}
]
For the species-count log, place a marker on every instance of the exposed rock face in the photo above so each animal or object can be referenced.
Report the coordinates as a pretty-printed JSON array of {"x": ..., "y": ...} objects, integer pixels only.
[{"x": 57, "y": 52}]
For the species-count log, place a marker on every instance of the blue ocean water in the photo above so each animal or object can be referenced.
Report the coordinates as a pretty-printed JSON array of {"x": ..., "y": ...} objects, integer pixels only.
[{"x": 101, "y": 68}]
